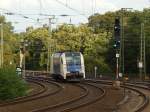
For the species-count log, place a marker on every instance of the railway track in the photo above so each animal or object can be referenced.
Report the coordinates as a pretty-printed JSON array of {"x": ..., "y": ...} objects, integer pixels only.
[
  {"x": 45, "y": 100},
  {"x": 140, "y": 88},
  {"x": 76, "y": 97},
  {"x": 92, "y": 95},
  {"x": 129, "y": 86},
  {"x": 44, "y": 92}
]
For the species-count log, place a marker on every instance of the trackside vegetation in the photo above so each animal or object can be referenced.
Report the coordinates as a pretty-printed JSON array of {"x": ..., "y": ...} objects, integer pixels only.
[
  {"x": 95, "y": 39},
  {"x": 11, "y": 85}
]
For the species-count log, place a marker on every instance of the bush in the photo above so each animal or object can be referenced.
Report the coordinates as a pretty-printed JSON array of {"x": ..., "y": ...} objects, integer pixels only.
[{"x": 11, "y": 85}]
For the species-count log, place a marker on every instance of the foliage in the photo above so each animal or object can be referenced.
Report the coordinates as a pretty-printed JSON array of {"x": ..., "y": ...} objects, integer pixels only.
[
  {"x": 37, "y": 46},
  {"x": 10, "y": 42},
  {"x": 94, "y": 39},
  {"x": 132, "y": 21},
  {"x": 66, "y": 37},
  {"x": 82, "y": 39},
  {"x": 11, "y": 85}
]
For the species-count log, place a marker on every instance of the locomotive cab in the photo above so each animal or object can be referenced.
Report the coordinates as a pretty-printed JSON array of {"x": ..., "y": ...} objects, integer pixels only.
[
  {"x": 67, "y": 66},
  {"x": 74, "y": 64}
]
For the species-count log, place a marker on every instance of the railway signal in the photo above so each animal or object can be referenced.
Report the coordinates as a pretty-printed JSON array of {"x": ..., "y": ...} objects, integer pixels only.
[
  {"x": 117, "y": 33},
  {"x": 116, "y": 45}
]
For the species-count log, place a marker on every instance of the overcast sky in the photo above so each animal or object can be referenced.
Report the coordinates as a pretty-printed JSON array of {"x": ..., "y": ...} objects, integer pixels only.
[{"x": 78, "y": 10}]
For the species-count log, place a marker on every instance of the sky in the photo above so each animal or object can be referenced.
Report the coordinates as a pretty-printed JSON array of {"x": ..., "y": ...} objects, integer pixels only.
[{"x": 36, "y": 12}]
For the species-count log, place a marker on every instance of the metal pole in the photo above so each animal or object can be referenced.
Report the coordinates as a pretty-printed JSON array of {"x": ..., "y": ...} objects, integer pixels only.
[
  {"x": 117, "y": 64},
  {"x": 95, "y": 71},
  {"x": 1, "y": 56},
  {"x": 124, "y": 90},
  {"x": 117, "y": 69},
  {"x": 121, "y": 41},
  {"x": 141, "y": 51},
  {"x": 122, "y": 62},
  {"x": 1, "y": 48},
  {"x": 144, "y": 53},
  {"x": 48, "y": 54},
  {"x": 24, "y": 61},
  {"x": 122, "y": 47},
  {"x": 48, "y": 62},
  {"x": 121, "y": 66}
]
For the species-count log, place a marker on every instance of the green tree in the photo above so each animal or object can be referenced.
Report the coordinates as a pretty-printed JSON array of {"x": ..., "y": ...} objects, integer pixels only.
[
  {"x": 10, "y": 42},
  {"x": 82, "y": 38},
  {"x": 36, "y": 51}
]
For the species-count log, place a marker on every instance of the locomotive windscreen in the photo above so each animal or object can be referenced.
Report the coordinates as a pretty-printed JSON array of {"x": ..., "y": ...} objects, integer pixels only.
[{"x": 73, "y": 61}]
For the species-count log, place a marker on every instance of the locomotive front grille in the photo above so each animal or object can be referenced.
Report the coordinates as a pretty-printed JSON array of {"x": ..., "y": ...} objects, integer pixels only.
[{"x": 74, "y": 75}]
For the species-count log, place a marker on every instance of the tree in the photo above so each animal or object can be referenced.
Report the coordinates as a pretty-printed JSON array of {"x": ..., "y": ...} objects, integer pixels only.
[
  {"x": 10, "y": 42},
  {"x": 36, "y": 51}
]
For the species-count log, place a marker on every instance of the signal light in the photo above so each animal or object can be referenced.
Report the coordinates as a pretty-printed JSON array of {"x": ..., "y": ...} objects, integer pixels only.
[
  {"x": 117, "y": 45},
  {"x": 117, "y": 29},
  {"x": 117, "y": 33}
]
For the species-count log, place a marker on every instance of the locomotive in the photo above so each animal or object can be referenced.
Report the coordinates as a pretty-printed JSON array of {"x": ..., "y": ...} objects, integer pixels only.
[{"x": 67, "y": 66}]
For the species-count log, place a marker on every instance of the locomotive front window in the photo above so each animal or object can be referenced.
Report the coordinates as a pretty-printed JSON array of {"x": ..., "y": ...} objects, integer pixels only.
[{"x": 73, "y": 58}]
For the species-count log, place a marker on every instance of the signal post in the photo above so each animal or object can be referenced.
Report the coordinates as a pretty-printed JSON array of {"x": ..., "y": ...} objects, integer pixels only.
[{"x": 116, "y": 46}]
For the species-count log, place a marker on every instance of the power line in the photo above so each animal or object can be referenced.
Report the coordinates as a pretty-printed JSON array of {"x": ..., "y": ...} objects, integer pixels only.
[
  {"x": 73, "y": 9},
  {"x": 7, "y": 12}
]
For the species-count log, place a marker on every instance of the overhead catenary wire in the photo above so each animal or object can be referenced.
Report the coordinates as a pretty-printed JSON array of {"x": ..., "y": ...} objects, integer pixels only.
[
  {"x": 27, "y": 17},
  {"x": 73, "y": 9},
  {"x": 7, "y": 12},
  {"x": 41, "y": 3}
]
